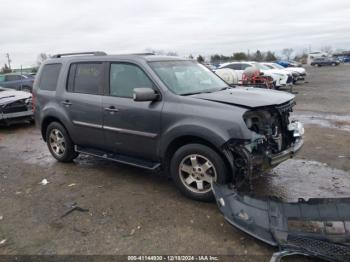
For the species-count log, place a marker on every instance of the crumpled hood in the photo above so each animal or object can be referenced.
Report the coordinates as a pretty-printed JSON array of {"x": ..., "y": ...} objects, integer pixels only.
[
  {"x": 248, "y": 97},
  {"x": 8, "y": 96}
]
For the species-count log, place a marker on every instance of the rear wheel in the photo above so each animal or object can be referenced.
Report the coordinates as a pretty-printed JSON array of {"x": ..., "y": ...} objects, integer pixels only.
[
  {"x": 59, "y": 143},
  {"x": 193, "y": 169}
]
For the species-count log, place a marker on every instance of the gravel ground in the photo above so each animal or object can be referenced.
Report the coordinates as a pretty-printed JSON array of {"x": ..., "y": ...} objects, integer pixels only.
[{"x": 132, "y": 211}]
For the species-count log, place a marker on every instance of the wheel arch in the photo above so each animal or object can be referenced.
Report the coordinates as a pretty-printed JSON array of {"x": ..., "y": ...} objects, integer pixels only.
[
  {"x": 180, "y": 141},
  {"x": 46, "y": 122}
]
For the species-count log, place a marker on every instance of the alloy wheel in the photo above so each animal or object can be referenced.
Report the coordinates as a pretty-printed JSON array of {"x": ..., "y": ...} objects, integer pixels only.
[
  {"x": 197, "y": 173},
  {"x": 57, "y": 142}
]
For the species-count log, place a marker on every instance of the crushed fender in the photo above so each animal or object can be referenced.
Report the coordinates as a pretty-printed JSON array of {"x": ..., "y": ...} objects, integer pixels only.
[{"x": 318, "y": 227}]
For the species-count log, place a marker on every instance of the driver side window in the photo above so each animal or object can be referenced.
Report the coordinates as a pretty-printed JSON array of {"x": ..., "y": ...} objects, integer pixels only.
[{"x": 124, "y": 77}]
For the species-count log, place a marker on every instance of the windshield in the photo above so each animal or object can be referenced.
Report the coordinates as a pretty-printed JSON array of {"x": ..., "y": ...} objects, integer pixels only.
[
  {"x": 269, "y": 66},
  {"x": 278, "y": 66},
  {"x": 260, "y": 66},
  {"x": 187, "y": 77}
]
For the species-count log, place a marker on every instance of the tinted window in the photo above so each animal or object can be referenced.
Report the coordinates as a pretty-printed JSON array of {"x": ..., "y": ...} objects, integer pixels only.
[
  {"x": 244, "y": 66},
  {"x": 85, "y": 78},
  {"x": 125, "y": 77},
  {"x": 13, "y": 77},
  {"x": 49, "y": 77},
  {"x": 2, "y": 78},
  {"x": 234, "y": 66}
]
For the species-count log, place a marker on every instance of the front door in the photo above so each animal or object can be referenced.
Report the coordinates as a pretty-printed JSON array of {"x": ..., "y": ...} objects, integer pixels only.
[{"x": 131, "y": 128}]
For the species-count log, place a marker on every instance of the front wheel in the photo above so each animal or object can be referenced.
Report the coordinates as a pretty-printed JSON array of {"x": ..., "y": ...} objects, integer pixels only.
[
  {"x": 194, "y": 167},
  {"x": 59, "y": 143}
]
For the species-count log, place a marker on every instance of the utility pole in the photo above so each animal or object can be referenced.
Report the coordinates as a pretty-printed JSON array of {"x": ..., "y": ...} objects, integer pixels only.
[{"x": 8, "y": 60}]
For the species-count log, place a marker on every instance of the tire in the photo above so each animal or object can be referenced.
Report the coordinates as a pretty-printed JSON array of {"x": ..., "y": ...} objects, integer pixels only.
[
  {"x": 62, "y": 148},
  {"x": 183, "y": 168}
]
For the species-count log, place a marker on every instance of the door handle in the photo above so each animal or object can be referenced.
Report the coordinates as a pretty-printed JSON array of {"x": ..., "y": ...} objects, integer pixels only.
[
  {"x": 112, "y": 109},
  {"x": 66, "y": 103}
]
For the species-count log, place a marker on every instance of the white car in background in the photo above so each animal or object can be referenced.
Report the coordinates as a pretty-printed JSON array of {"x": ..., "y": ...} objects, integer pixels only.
[
  {"x": 280, "y": 77},
  {"x": 300, "y": 71}
]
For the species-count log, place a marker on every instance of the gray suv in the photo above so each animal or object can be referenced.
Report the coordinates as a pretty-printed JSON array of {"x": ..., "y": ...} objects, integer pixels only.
[{"x": 163, "y": 112}]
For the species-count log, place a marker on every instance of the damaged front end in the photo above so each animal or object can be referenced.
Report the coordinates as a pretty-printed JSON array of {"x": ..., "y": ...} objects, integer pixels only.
[
  {"x": 317, "y": 227},
  {"x": 274, "y": 139}
]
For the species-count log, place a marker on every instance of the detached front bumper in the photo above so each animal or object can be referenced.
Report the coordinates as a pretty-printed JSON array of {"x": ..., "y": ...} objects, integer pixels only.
[
  {"x": 317, "y": 227},
  {"x": 22, "y": 114}
]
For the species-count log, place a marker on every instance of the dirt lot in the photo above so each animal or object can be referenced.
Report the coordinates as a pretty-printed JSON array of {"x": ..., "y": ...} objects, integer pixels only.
[{"x": 136, "y": 212}]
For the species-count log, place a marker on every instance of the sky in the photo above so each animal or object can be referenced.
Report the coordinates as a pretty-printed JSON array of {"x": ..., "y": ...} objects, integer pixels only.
[{"x": 205, "y": 27}]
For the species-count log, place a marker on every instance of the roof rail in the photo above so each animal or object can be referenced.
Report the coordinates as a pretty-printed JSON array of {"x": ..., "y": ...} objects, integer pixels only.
[
  {"x": 96, "y": 53},
  {"x": 143, "y": 54}
]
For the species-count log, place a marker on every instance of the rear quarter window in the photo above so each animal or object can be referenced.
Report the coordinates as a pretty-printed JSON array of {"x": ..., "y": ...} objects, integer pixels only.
[{"x": 49, "y": 77}]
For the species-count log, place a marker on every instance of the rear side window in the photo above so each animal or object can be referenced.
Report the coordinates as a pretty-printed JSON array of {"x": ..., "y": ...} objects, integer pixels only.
[
  {"x": 85, "y": 78},
  {"x": 49, "y": 77}
]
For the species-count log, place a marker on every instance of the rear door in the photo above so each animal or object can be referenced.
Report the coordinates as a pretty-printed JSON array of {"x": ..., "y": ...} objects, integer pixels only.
[
  {"x": 82, "y": 101},
  {"x": 131, "y": 128}
]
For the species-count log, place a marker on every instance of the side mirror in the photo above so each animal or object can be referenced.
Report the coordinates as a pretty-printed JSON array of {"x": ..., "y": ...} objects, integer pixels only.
[{"x": 142, "y": 94}]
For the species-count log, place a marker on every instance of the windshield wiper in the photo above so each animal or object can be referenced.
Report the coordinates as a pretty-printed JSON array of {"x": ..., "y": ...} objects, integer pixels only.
[
  {"x": 207, "y": 91},
  {"x": 196, "y": 93}
]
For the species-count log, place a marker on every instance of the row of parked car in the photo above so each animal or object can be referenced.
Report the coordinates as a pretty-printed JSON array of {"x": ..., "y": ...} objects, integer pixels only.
[
  {"x": 16, "y": 98},
  {"x": 17, "y": 81},
  {"x": 234, "y": 73}
]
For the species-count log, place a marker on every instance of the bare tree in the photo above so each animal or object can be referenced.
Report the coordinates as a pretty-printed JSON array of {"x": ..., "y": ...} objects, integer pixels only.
[
  {"x": 161, "y": 52},
  {"x": 327, "y": 49},
  {"x": 200, "y": 59},
  {"x": 287, "y": 52},
  {"x": 41, "y": 58},
  {"x": 8, "y": 60},
  {"x": 171, "y": 53}
]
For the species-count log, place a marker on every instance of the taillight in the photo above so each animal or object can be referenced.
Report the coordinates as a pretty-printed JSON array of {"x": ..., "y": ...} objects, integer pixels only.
[{"x": 33, "y": 101}]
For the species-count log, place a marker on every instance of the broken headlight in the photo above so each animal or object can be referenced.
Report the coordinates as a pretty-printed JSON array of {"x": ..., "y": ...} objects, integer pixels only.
[{"x": 297, "y": 128}]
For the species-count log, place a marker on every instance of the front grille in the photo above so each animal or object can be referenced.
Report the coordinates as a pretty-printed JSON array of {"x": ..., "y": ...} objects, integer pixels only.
[
  {"x": 286, "y": 107},
  {"x": 328, "y": 250},
  {"x": 15, "y": 107}
]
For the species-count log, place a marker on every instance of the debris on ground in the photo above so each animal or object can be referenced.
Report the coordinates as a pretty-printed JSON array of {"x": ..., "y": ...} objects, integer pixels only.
[
  {"x": 44, "y": 182},
  {"x": 132, "y": 232},
  {"x": 70, "y": 185},
  {"x": 1, "y": 217},
  {"x": 74, "y": 207},
  {"x": 2, "y": 242}
]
